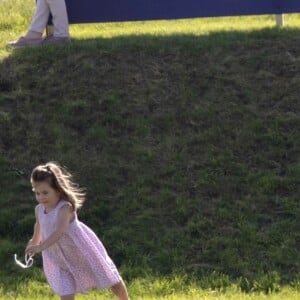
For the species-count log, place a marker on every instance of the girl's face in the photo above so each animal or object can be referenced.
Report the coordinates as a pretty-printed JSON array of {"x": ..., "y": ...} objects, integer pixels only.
[{"x": 46, "y": 195}]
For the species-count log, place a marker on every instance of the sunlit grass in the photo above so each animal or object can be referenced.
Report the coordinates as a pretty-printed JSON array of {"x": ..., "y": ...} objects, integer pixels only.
[
  {"x": 200, "y": 26},
  {"x": 159, "y": 289},
  {"x": 16, "y": 16}
]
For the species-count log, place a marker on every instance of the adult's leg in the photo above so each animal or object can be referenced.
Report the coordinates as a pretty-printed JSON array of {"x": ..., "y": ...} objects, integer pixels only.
[
  {"x": 120, "y": 291},
  {"x": 39, "y": 20},
  {"x": 68, "y": 297},
  {"x": 59, "y": 17}
]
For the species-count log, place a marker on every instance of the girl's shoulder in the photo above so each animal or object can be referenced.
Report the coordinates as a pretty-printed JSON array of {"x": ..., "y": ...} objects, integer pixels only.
[
  {"x": 38, "y": 208},
  {"x": 63, "y": 203},
  {"x": 68, "y": 209}
]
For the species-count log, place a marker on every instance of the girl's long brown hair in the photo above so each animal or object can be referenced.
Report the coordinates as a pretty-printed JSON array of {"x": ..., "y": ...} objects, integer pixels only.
[{"x": 61, "y": 180}]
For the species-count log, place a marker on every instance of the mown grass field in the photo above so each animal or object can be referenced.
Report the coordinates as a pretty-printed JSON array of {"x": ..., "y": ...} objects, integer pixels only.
[
  {"x": 175, "y": 288},
  {"x": 185, "y": 134}
]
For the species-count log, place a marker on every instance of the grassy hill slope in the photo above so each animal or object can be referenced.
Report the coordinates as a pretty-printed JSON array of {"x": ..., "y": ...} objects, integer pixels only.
[{"x": 188, "y": 147}]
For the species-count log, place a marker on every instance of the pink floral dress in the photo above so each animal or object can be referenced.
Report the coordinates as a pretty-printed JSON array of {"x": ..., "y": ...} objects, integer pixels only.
[{"x": 78, "y": 261}]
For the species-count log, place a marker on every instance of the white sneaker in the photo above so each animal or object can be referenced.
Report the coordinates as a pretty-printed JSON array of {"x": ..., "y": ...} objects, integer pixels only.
[{"x": 23, "y": 42}]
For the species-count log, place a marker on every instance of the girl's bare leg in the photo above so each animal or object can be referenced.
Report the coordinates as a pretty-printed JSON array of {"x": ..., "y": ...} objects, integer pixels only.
[
  {"x": 67, "y": 297},
  {"x": 120, "y": 291}
]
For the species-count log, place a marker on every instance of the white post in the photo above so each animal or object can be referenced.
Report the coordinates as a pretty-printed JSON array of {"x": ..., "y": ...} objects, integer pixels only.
[{"x": 279, "y": 20}]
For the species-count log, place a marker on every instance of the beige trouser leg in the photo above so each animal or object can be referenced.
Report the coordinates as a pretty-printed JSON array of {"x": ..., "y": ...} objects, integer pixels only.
[
  {"x": 60, "y": 17},
  {"x": 59, "y": 14},
  {"x": 41, "y": 16}
]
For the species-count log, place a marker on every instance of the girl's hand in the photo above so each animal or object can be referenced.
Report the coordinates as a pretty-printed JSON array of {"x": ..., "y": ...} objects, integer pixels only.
[{"x": 31, "y": 250}]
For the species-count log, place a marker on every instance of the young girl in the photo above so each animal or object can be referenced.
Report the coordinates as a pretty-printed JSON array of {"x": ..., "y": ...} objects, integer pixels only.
[
  {"x": 74, "y": 259},
  {"x": 39, "y": 22}
]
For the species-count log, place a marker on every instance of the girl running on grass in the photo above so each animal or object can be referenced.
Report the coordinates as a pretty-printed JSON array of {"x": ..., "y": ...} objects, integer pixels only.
[{"x": 74, "y": 259}]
